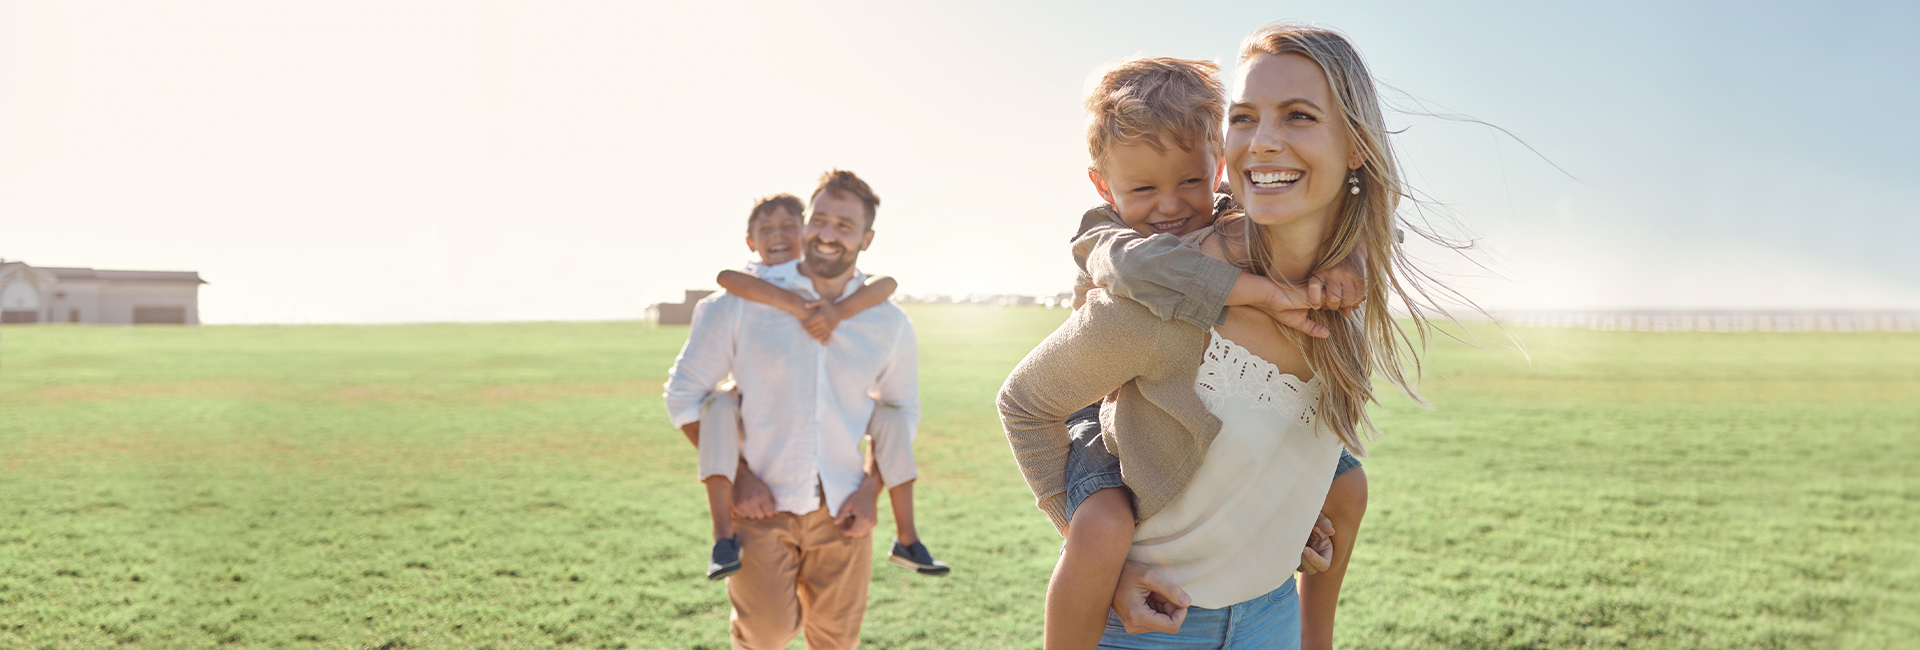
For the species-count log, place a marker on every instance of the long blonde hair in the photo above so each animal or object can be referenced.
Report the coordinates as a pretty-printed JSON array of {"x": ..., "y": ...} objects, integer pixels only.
[{"x": 1366, "y": 223}]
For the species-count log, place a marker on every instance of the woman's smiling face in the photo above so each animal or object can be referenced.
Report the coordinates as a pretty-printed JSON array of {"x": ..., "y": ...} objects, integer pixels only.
[{"x": 1288, "y": 150}]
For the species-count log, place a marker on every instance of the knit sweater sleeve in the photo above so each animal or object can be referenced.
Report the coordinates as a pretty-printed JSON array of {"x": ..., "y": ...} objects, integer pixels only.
[{"x": 1101, "y": 347}]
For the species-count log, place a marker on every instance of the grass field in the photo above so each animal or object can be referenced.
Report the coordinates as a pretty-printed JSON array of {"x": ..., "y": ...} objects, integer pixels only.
[{"x": 518, "y": 485}]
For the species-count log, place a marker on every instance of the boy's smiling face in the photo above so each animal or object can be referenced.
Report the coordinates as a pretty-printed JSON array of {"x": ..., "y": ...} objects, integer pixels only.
[
  {"x": 1157, "y": 191},
  {"x": 775, "y": 235}
]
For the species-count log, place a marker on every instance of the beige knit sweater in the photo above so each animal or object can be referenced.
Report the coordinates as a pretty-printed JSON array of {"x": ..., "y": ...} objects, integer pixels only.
[{"x": 1145, "y": 366}]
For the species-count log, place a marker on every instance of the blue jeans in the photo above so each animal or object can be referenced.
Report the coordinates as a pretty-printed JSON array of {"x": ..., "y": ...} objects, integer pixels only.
[{"x": 1270, "y": 621}]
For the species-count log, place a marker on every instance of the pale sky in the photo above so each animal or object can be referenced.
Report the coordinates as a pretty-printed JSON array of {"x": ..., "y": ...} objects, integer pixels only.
[{"x": 421, "y": 161}]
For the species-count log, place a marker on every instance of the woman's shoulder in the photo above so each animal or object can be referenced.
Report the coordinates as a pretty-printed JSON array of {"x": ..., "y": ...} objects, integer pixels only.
[
  {"x": 1111, "y": 311},
  {"x": 1121, "y": 319}
]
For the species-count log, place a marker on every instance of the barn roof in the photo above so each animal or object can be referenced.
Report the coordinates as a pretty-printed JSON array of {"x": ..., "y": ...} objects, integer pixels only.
[{"x": 75, "y": 273}]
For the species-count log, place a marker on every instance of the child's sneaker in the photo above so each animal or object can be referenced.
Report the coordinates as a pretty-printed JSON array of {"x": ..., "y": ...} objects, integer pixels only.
[
  {"x": 726, "y": 558},
  {"x": 917, "y": 558}
]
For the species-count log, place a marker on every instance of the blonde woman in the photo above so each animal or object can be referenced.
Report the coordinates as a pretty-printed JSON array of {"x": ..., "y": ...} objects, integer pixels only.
[{"x": 1227, "y": 438}]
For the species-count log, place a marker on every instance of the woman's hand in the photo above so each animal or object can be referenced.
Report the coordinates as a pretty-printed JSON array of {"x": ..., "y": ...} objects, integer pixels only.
[
  {"x": 1146, "y": 601},
  {"x": 1318, "y": 554}
]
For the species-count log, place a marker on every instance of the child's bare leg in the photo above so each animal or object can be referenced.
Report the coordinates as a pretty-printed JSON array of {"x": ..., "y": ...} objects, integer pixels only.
[
  {"x": 901, "y": 497},
  {"x": 720, "y": 502},
  {"x": 1320, "y": 593},
  {"x": 1078, "y": 597}
]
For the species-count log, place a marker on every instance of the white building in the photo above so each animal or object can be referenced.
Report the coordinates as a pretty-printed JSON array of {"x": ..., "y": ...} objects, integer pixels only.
[{"x": 30, "y": 294}]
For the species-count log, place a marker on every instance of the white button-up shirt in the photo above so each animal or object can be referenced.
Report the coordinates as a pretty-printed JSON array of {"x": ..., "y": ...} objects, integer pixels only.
[{"x": 804, "y": 406}]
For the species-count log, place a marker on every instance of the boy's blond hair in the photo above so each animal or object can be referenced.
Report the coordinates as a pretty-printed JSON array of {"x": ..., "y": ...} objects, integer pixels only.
[{"x": 1142, "y": 100}]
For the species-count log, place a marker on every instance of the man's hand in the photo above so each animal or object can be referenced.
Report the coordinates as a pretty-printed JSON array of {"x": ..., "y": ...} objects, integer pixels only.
[
  {"x": 1145, "y": 601},
  {"x": 822, "y": 317},
  {"x": 1318, "y": 554},
  {"x": 751, "y": 498},
  {"x": 861, "y": 510}
]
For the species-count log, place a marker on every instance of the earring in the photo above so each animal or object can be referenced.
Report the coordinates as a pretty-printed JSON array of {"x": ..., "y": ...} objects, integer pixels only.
[{"x": 1353, "y": 183}]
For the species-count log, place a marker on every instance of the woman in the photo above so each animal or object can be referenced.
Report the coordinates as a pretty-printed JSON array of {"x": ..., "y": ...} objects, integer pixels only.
[{"x": 1227, "y": 438}]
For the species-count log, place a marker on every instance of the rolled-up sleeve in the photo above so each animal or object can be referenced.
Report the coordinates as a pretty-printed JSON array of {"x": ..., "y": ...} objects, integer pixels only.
[
  {"x": 1173, "y": 280},
  {"x": 896, "y": 412},
  {"x": 704, "y": 361},
  {"x": 898, "y": 386}
]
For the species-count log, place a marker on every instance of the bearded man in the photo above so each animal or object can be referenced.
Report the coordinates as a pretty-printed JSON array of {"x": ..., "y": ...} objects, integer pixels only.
[{"x": 806, "y": 407}]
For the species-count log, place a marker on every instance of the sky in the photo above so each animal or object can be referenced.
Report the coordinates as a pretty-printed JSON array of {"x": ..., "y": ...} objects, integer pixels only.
[{"x": 402, "y": 161}]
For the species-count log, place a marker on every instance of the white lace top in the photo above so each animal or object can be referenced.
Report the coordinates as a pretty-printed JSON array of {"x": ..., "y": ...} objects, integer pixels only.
[{"x": 1235, "y": 533}]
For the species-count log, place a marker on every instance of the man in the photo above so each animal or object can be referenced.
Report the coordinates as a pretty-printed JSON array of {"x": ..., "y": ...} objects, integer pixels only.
[{"x": 805, "y": 566}]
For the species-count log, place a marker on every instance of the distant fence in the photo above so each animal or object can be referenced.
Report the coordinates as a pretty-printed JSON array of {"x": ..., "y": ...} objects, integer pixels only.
[{"x": 1719, "y": 321}]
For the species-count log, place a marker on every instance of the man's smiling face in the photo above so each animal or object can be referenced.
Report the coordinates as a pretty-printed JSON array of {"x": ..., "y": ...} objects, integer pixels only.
[
  {"x": 775, "y": 235},
  {"x": 837, "y": 230}
]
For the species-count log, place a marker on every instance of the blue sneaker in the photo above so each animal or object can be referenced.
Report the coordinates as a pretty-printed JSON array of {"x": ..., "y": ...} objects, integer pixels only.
[
  {"x": 726, "y": 558},
  {"x": 917, "y": 558}
]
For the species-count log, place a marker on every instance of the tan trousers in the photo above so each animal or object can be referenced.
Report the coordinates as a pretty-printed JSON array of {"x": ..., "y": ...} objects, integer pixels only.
[
  {"x": 720, "y": 433},
  {"x": 797, "y": 572}
]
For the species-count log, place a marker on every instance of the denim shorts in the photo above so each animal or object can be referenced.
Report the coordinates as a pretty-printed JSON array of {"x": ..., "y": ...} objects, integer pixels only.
[
  {"x": 1271, "y": 621},
  {"x": 1091, "y": 468}
]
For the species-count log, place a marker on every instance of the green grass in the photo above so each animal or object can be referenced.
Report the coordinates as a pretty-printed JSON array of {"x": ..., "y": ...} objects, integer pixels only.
[{"x": 517, "y": 485}]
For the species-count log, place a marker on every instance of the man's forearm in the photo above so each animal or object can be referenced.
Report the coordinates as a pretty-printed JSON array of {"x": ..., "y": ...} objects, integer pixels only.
[{"x": 692, "y": 430}]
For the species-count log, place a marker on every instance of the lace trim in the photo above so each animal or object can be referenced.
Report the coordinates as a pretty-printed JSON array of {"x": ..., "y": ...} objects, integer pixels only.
[{"x": 1228, "y": 370}]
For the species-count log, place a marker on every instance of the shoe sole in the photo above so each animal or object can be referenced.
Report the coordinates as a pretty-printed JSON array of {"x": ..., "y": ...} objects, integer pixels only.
[
  {"x": 716, "y": 575},
  {"x": 922, "y": 569}
]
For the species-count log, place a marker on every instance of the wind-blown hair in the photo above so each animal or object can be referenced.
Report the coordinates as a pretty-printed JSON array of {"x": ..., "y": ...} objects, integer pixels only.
[{"x": 1365, "y": 224}]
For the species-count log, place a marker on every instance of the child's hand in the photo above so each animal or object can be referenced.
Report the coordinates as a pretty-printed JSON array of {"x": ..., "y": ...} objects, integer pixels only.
[
  {"x": 822, "y": 317},
  {"x": 1318, "y": 554},
  {"x": 1340, "y": 288},
  {"x": 1288, "y": 306}
]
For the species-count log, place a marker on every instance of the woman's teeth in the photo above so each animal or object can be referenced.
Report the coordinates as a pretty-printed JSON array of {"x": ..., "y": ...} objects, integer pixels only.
[{"x": 1273, "y": 179}]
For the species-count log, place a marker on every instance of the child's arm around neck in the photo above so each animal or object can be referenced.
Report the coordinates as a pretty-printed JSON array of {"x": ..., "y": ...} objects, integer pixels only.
[
  {"x": 761, "y": 291},
  {"x": 1176, "y": 281},
  {"x": 819, "y": 317},
  {"x": 1173, "y": 280},
  {"x": 827, "y": 314}
]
